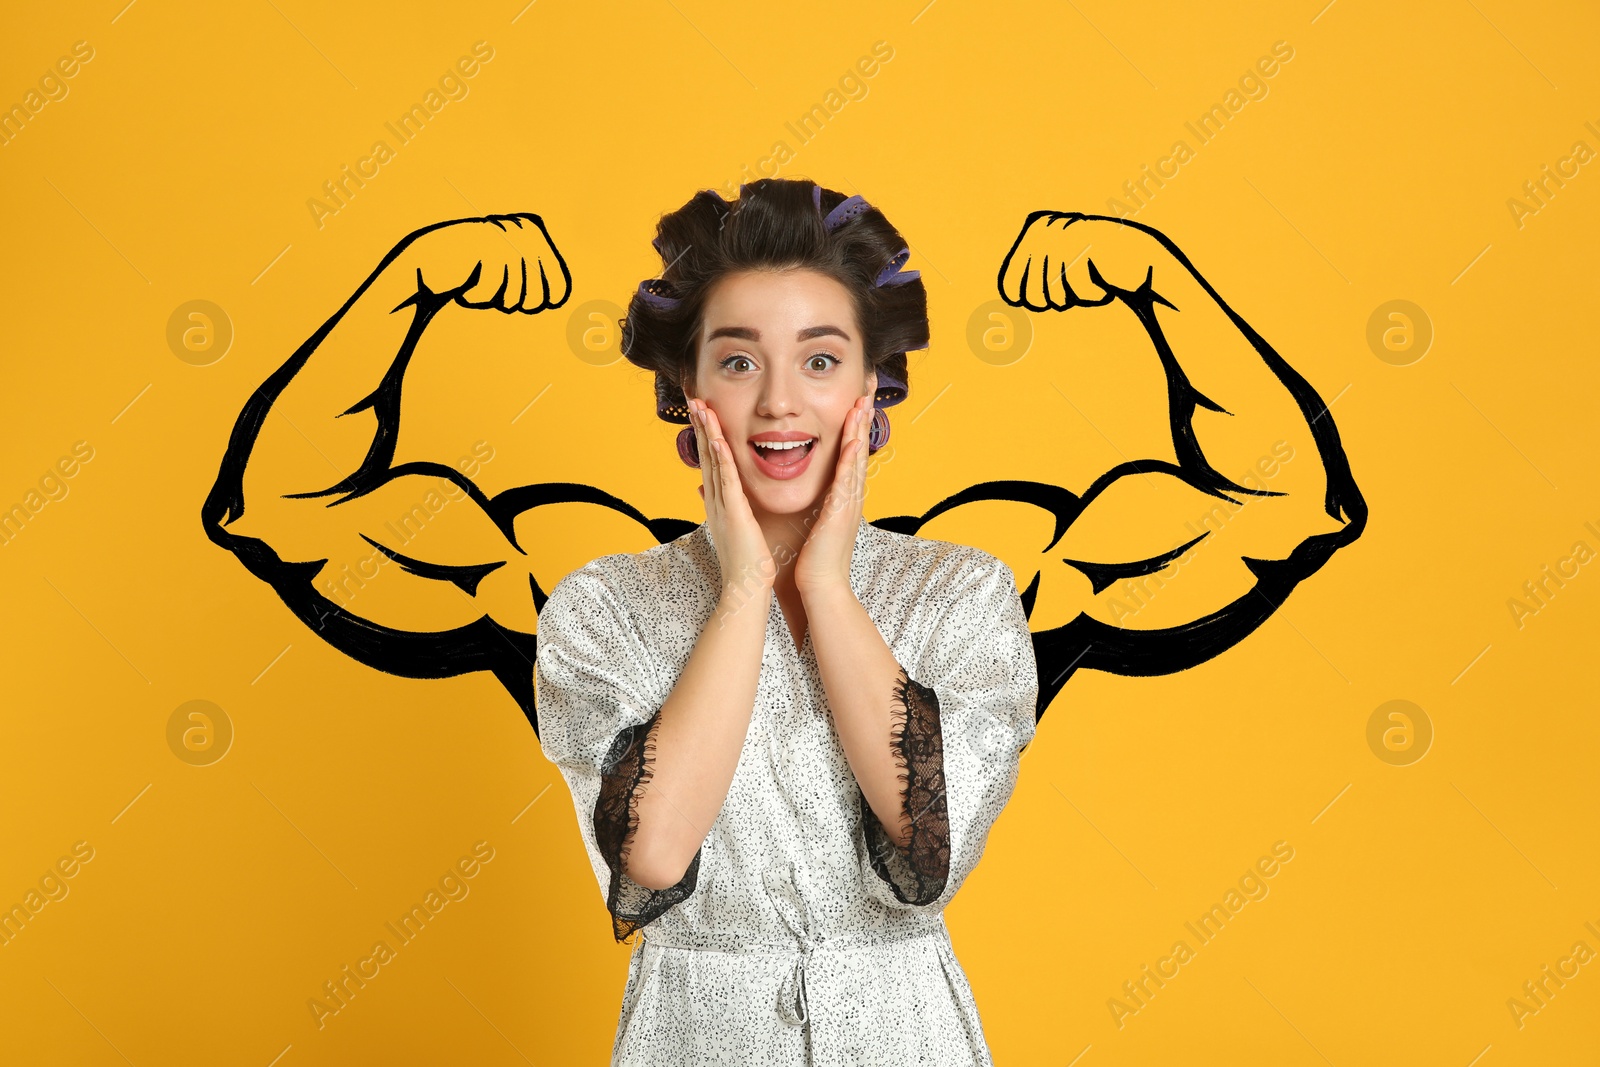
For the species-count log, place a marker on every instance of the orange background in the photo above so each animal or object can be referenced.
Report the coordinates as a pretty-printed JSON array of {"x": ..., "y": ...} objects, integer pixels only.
[{"x": 177, "y": 166}]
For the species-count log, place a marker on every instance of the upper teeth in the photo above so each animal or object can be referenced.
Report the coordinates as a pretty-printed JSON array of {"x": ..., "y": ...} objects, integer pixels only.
[{"x": 782, "y": 444}]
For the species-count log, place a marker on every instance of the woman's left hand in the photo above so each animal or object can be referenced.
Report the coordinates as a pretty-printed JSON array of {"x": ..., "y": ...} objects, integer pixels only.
[{"x": 824, "y": 560}]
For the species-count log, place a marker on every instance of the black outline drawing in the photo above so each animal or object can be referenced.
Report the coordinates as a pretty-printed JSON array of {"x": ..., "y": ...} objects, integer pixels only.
[{"x": 1081, "y": 643}]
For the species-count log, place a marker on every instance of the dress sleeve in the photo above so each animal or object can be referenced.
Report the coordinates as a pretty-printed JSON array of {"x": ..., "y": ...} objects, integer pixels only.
[
  {"x": 965, "y": 709},
  {"x": 598, "y": 704}
]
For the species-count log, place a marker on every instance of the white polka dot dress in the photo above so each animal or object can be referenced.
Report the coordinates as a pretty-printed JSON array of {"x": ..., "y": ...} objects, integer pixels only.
[{"x": 800, "y": 934}]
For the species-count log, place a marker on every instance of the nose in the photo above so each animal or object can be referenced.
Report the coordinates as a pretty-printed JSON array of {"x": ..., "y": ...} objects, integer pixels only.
[{"x": 777, "y": 395}]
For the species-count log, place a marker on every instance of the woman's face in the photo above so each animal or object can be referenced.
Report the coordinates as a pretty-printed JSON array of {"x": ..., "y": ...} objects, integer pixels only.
[{"x": 780, "y": 356}]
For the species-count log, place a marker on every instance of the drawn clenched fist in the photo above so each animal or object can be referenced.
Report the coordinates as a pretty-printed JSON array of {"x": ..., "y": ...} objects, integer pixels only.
[
  {"x": 504, "y": 262},
  {"x": 1064, "y": 260}
]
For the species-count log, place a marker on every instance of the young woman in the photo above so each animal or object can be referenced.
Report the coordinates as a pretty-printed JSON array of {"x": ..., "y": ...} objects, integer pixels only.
[{"x": 787, "y": 733}]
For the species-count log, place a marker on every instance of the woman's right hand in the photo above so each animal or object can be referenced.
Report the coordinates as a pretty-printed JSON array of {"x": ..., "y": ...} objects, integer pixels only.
[{"x": 742, "y": 550}]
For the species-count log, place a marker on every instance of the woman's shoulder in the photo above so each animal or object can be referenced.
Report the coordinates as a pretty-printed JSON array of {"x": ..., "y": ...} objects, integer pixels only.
[
  {"x": 932, "y": 559},
  {"x": 644, "y": 577}
]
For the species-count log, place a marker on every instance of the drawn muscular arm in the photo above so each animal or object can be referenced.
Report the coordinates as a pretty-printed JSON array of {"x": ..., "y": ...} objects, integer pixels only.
[
  {"x": 308, "y": 478},
  {"x": 1259, "y": 467}
]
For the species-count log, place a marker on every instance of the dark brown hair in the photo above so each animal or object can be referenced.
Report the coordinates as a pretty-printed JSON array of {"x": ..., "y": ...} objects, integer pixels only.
[{"x": 774, "y": 225}]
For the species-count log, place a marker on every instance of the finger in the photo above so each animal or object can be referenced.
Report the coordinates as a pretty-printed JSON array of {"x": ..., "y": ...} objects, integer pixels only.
[
  {"x": 1034, "y": 296},
  {"x": 727, "y": 471},
  {"x": 1066, "y": 253},
  {"x": 535, "y": 294},
  {"x": 708, "y": 453},
  {"x": 703, "y": 448},
  {"x": 1016, "y": 268},
  {"x": 555, "y": 279},
  {"x": 498, "y": 298},
  {"x": 549, "y": 282},
  {"x": 715, "y": 426},
  {"x": 733, "y": 484},
  {"x": 1050, "y": 283},
  {"x": 732, "y": 487},
  {"x": 1024, "y": 284},
  {"x": 1048, "y": 251},
  {"x": 858, "y": 465},
  {"x": 842, "y": 462},
  {"x": 714, "y": 476},
  {"x": 545, "y": 296},
  {"x": 719, "y": 462},
  {"x": 858, "y": 473},
  {"x": 699, "y": 447},
  {"x": 1011, "y": 276},
  {"x": 841, "y": 490},
  {"x": 865, "y": 446},
  {"x": 518, "y": 292},
  {"x": 1058, "y": 294}
]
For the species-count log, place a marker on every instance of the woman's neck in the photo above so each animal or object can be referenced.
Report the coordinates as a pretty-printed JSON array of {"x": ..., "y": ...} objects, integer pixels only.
[{"x": 786, "y": 535}]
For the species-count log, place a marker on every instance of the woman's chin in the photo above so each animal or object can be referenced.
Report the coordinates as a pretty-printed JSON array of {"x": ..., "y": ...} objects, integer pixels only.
[{"x": 789, "y": 497}]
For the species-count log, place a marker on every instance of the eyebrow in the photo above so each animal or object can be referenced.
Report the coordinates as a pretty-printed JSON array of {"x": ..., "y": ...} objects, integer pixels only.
[{"x": 746, "y": 333}]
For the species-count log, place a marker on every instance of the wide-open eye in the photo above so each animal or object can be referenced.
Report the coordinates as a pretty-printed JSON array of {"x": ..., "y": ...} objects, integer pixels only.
[
  {"x": 817, "y": 361},
  {"x": 737, "y": 357}
]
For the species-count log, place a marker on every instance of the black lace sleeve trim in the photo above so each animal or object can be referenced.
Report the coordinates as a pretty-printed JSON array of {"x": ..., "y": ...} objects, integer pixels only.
[
  {"x": 917, "y": 873},
  {"x": 626, "y": 769}
]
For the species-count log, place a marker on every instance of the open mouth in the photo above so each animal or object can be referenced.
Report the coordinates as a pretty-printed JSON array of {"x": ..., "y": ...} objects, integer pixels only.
[{"x": 783, "y": 458}]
